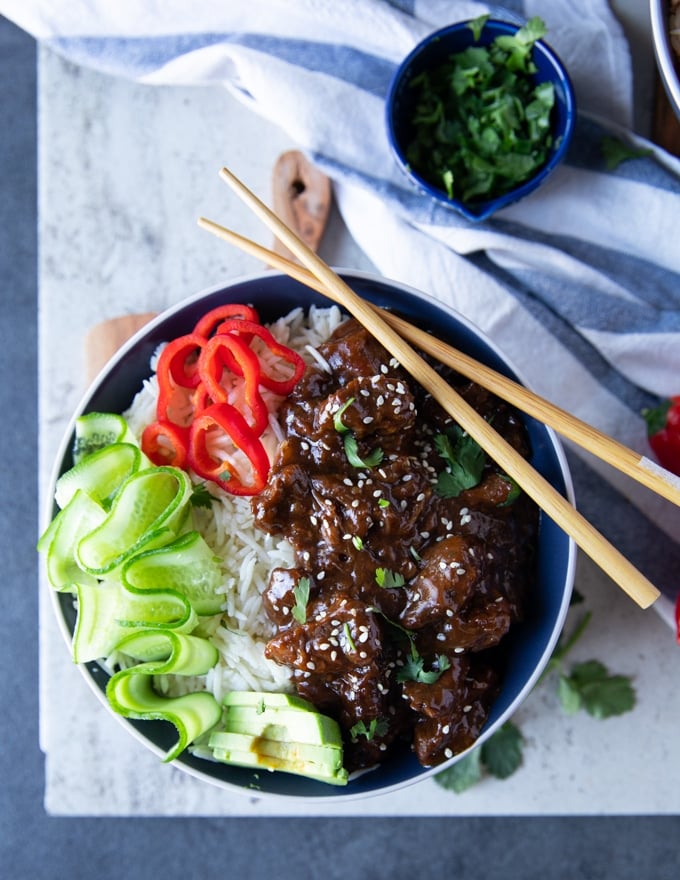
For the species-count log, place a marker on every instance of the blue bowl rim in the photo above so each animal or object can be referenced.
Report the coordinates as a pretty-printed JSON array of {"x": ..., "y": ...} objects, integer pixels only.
[
  {"x": 96, "y": 677},
  {"x": 482, "y": 210}
]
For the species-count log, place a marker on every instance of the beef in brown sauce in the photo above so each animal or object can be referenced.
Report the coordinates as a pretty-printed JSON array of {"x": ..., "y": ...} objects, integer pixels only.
[{"x": 407, "y": 589}]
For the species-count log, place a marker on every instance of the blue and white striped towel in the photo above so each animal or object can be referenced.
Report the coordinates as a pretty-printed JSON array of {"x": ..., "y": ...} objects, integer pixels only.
[{"x": 587, "y": 269}]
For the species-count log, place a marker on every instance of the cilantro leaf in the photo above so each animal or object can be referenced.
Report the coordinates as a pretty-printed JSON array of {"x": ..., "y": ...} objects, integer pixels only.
[
  {"x": 615, "y": 152},
  {"x": 464, "y": 459},
  {"x": 477, "y": 25},
  {"x": 602, "y": 695},
  {"x": 377, "y": 727},
  {"x": 465, "y": 773},
  {"x": 502, "y": 752},
  {"x": 301, "y": 593},
  {"x": 337, "y": 418},
  {"x": 414, "y": 668},
  {"x": 389, "y": 579},
  {"x": 373, "y": 459},
  {"x": 200, "y": 497}
]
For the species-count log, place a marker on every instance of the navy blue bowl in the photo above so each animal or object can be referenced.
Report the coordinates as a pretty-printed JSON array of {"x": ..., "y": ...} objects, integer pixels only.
[
  {"x": 528, "y": 646},
  {"x": 434, "y": 51}
]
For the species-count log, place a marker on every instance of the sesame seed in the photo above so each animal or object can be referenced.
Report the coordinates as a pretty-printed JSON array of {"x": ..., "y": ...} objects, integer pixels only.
[
  {"x": 285, "y": 610},
  {"x": 363, "y": 655},
  {"x": 458, "y": 650},
  {"x": 441, "y": 637},
  {"x": 364, "y": 392},
  {"x": 367, "y": 420},
  {"x": 460, "y": 572},
  {"x": 394, "y": 363},
  {"x": 446, "y": 729},
  {"x": 380, "y": 400},
  {"x": 467, "y": 708},
  {"x": 313, "y": 520},
  {"x": 449, "y": 613},
  {"x": 420, "y": 497},
  {"x": 377, "y": 493},
  {"x": 347, "y": 537},
  {"x": 448, "y": 753},
  {"x": 310, "y": 665},
  {"x": 383, "y": 369},
  {"x": 334, "y": 655},
  {"x": 463, "y": 511},
  {"x": 324, "y": 646},
  {"x": 407, "y": 478},
  {"x": 355, "y": 503},
  {"x": 320, "y": 575}
]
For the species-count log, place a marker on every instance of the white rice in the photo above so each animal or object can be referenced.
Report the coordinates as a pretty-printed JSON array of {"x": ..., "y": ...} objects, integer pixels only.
[{"x": 248, "y": 554}]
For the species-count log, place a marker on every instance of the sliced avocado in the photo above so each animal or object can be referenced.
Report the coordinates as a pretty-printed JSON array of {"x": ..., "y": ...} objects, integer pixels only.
[
  {"x": 263, "y": 699},
  {"x": 285, "y": 724},
  {"x": 322, "y": 772},
  {"x": 329, "y": 756}
]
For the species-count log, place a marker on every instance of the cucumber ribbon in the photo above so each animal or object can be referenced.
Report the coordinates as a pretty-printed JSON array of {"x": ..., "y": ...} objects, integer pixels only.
[
  {"x": 122, "y": 544},
  {"x": 130, "y": 691}
]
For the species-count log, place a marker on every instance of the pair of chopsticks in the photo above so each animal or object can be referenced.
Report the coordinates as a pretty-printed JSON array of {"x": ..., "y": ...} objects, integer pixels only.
[{"x": 393, "y": 333}]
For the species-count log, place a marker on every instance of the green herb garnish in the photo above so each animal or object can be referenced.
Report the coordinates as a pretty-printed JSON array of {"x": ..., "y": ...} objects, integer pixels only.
[
  {"x": 350, "y": 444},
  {"x": 348, "y": 636},
  {"x": 301, "y": 593},
  {"x": 414, "y": 668},
  {"x": 482, "y": 125},
  {"x": 389, "y": 579},
  {"x": 465, "y": 460},
  {"x": 377, "y": 727},
  {"x": 500, "y": 755},
  {"x": 200, "y": 497},
  {"x": 615, "y": 152}
]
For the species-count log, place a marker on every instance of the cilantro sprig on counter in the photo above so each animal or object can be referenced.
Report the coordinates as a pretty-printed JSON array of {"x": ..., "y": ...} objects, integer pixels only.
[
  {"x": 482, "y": 126},
  {"x": 587, "y": 685}
]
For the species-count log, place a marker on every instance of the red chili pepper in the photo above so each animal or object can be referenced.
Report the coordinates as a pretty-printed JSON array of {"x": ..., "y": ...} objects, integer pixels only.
[
  {"x": 278, "y": 386},
  {"x": 228, "y": 349},
  {"x": 179, "y": 360},
  {"x": 207, "y": 324},
  {"x": 227, "y": 419},
  {"x": 173, "y": 451},
  {"x": 663, "y": 430}
]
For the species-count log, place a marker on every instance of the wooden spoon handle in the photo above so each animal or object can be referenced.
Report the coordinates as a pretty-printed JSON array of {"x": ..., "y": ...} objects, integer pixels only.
[{"x": 301, "y": 196}]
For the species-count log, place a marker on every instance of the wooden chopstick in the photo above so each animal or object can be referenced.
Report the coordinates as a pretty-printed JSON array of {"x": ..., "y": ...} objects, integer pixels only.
[
  {"x": 533, "y": 483},
  {"x": 601, "y": 445}
]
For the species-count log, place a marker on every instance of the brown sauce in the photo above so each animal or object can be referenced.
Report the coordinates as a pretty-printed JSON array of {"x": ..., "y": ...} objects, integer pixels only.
[{"x": 409, "y": 591}]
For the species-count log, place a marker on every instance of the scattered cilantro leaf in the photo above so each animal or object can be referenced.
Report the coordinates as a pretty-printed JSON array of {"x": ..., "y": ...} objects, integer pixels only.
[
  {"x": 376, "y": 727},
  {"x": 414, "y": 668},
  {"x": 200, "y": 497},
  {"x": 357, "y": 541},
  {"x": 464, "y": 459},
  {"x": 389, "y": 579},
  {"x": 500, "y": 756},
  {"x": 616, "y": 151},
  {"x": 383, "y": 502},
  {"x": 348, "y": 636},
  {"x": 477, "y": 26},
  {"x": 502, "y": 752},
  {"x": 301, "y": 593},
  {"x": 337, "y": 418},
  {"x": 513, "y": 494},
  {"x": 373, "y": 459},
  {"x": 465, "y": 773},
  {"x": 591, "y": 686}
]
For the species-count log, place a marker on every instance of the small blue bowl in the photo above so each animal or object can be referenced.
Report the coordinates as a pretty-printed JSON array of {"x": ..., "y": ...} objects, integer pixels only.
[
  {"x": 434, "y": 51},
  {"x": 528, "y": 646}
]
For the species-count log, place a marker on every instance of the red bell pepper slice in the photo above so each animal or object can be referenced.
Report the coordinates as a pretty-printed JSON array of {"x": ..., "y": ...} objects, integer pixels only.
[
  {"x": 229, "y": 350},
  {"x": 278, "y": 386},
  {"x": 165, "y": 443},
  {"x": 179, "y": 360},
  {"x": 207, "y": 324},
  {"x": 226, "y": 418},
  {"x": 663, "y": 430}
]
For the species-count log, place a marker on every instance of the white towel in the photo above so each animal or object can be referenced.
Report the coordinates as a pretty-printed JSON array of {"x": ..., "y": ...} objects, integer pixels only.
[{"x": 579, "y": 283}]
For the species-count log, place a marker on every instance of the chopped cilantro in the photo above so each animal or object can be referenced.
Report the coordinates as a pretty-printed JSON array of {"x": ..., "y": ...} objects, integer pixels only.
[
  {"x": 376, "y": 727},
  {"x": 389, "y": 579},
  {"x": 358, "y": 543},
  {"x": 500, "y": 755},
  {"x": 350, "y": 444},
  {"x": 481, "y": 124},
  {"x": 383, "y": 502},
  {"x": 373, "y": 459},
  {"x": 414, "y": 668},
  {"x": 200, "y": 497},
  {"x": 301, "y": 593},
  {"x": 615, "y": 152},
  {"x": 348, "y": 636},
  {"x": 337, "y": 419},
  {"x": 465, "y": 461},
  {"x": 513, "y": 494}
]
